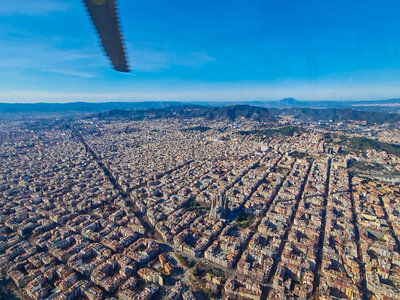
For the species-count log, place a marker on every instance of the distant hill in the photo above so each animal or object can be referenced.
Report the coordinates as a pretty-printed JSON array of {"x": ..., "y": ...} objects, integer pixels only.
[
  {"x": 234, "y": 112},
  {"x": 370, "y": 111},
  {"x": 78, "y": 107},
  {"x": 229, "y": 113},
  {"x": 339, "y": 115},
  {"x": 391, "y": 105},
  {"x": 290, "y": 102}
]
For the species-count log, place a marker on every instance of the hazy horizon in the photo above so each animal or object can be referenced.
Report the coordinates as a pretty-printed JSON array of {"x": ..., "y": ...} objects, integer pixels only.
[{"x": 196, "y": 101}]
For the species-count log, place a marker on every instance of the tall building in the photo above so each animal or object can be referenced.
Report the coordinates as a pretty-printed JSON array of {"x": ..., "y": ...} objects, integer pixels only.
[{"x": 219, "y": 205}]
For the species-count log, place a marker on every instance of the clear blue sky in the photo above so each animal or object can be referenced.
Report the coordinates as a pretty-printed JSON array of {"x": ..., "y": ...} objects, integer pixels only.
[{"x": 203, "y": 50}]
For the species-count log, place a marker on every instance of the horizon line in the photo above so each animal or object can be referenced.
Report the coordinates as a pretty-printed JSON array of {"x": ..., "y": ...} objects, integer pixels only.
[{"x": 195, "y": 101}]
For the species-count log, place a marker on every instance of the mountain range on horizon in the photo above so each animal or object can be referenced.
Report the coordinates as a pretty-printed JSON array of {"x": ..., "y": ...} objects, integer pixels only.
[
  {"x": 262, "y": 114},
  {"x": 388, "y": 105}
]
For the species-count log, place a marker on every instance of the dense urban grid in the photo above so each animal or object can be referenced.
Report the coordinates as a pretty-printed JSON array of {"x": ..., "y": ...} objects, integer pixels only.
[{"x": 195, "y": 209}]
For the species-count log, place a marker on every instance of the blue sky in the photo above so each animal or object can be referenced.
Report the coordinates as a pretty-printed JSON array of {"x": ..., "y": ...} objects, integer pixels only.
[{"x": 203, "y": 50}]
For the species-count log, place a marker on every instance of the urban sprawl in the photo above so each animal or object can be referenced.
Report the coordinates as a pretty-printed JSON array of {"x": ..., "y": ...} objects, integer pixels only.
[{"x": 195, "y": 209}]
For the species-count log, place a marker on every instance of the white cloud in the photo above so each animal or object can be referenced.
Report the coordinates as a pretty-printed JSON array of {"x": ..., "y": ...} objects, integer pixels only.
[
  {"x": 148, "y": 59},
  {"x": 32, "y": 8},
  {"x": 27, "y": 55},
  {"x": 69, "y": 72}
]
